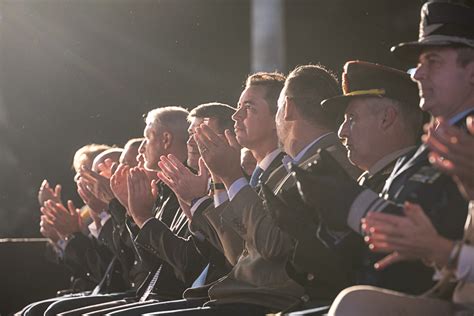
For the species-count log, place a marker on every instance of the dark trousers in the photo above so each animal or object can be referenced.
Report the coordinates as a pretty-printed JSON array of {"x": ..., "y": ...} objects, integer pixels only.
[
  {"x": 66, "y": 304},
  {"x": 157, "y": 306},
  {"x": 219, "y": 310}
]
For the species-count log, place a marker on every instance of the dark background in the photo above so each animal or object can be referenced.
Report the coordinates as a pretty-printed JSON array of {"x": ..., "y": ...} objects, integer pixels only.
[{"x": 82, "y": 71}]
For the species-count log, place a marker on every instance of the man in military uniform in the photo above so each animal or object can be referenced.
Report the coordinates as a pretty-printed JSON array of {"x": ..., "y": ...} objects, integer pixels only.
[{"x": 444, "y": 75}]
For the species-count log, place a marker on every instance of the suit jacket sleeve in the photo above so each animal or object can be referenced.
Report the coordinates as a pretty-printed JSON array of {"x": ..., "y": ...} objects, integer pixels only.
[
  {"x": 208, "y": 221},
  {"x": 246, "y": 215},
  {"x": 180, "y": 253}
]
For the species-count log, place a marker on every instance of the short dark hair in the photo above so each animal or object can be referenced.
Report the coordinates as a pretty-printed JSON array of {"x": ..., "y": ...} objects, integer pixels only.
[
  {"x": 273, "y": 83},
  {"x": 220, "y": 111},
  {"x": 308, "y": 85}
]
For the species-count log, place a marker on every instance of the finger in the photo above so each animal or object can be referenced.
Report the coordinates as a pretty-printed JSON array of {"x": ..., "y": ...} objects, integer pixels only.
[
  {"x": 388, "y": 260},
  {"x": 169, "y": 166},
  {"x": 231, "y": 139},
  {"x": 177, "y": 164},
  {"x": 470, "y": 124},
  {"x": 57, "y": 190},
  {"x": 113, "y": 167},
  {"x": 108, "y": 162},
  {"x": 44, "y": 184},
  {"x": 203, "y": 140},
  {"x": 166, "y": 180},
  {"x": 203, "y": 171},
  {"x": 71, "y": 207},
  {"x": 385, "y": 218},
  {"x": 211, "y": 135}
]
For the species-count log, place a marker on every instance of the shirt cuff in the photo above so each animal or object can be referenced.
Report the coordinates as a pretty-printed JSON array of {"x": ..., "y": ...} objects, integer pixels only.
[
  {"x": 220, "y": 197},
  {"x": 198, "y": 203},
  {"x": 465, "y": 271},
  {"x": 366, "y": 201},
  {"x": 236, "y": 187}
]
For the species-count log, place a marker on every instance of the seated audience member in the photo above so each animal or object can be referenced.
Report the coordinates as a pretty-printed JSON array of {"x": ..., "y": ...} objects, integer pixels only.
[
  {"x": 382, "y": 123},
  {"x": 414, "y": 237}
]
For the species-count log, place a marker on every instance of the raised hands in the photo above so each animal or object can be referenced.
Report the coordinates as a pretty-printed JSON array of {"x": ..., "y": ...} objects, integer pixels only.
[
  {"x": 47, "y": 229},
  {"x": 97, "y": 184},
  {"x": 185, "y": 184},
  {"x": 89, "y": 198},
  {"x": 46, "y": 193},
  {"x": 118, "y": 184},
  {"x": 452, "y": 151},
  {"x": 220, "y": 153},
  {"x": 64, "y": 221},
  {"x": 408, "y": 237},
  {"x": 141, "y": 197},
  {"x": 107, "y": 168}
]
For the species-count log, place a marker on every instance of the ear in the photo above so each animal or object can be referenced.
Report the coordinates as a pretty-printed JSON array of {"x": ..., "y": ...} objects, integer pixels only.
[
  {"x": 167, "y": 140},
  {"x": 290, "y": 110},
  {"x": 389, "y": 117}
]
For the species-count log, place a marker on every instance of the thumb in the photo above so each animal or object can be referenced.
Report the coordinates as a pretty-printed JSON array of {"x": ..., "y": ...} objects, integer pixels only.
[
  {"x": 57, "y": 190},
  {"x": 386, "y": 261},
  {"x": 203, "y": 171},
  {"x": 71, "y": 207},
  {"x": 470, "y": 124},
  {"x": 231, "y": 139}
]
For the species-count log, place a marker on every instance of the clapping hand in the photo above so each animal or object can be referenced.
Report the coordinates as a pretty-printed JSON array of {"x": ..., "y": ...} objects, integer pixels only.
[
  {"x": 141, "y": 197},
  {"x": 64, "y": 221},
  {"x": 408, "y": 237},
  {"x": 452, "y": 151},
  {"x": 221, "y": 153},
  {"x": 185, "y": 184},
  {"x": 46, "y": 193}
]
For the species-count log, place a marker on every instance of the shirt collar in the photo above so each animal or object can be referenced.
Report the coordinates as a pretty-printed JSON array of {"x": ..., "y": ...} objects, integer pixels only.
[
  {"x": 387, "y": 159},
  {"x": 301, "y": 154},
  {"x": 456, "y": 118},
  {"x": 267, "y": 161}
]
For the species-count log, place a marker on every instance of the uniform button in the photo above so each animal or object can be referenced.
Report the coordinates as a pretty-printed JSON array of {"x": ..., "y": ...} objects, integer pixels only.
[
  {"x": 305, "y": 298},
  {"x": 122, "y": 251},
  {"x": 133, "y": 284},
  {"x": 135, "y": 262},
  {"x": 310, "y": 277}
]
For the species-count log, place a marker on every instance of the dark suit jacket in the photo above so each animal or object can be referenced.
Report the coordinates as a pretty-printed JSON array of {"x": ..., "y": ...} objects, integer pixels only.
[{"x": 138, "y": 264}]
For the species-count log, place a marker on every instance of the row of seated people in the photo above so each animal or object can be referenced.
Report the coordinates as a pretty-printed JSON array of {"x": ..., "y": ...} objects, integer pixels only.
[{"x": 185, "y": 229}]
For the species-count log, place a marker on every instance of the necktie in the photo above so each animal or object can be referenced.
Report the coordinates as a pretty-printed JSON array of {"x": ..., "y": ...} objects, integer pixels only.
[
  {"x": 201, "y": 279},
  {"x": 255, "y": 176}
]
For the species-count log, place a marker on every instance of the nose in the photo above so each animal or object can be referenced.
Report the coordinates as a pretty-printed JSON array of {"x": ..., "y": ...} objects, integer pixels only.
[
  {"x": 191, "y": 141},
  {"x": 343, "y": 131},
  {"x": 238, "y": 114},
  {"x": 141, "y": 149},
  {"x": 420, "y": 72}
]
